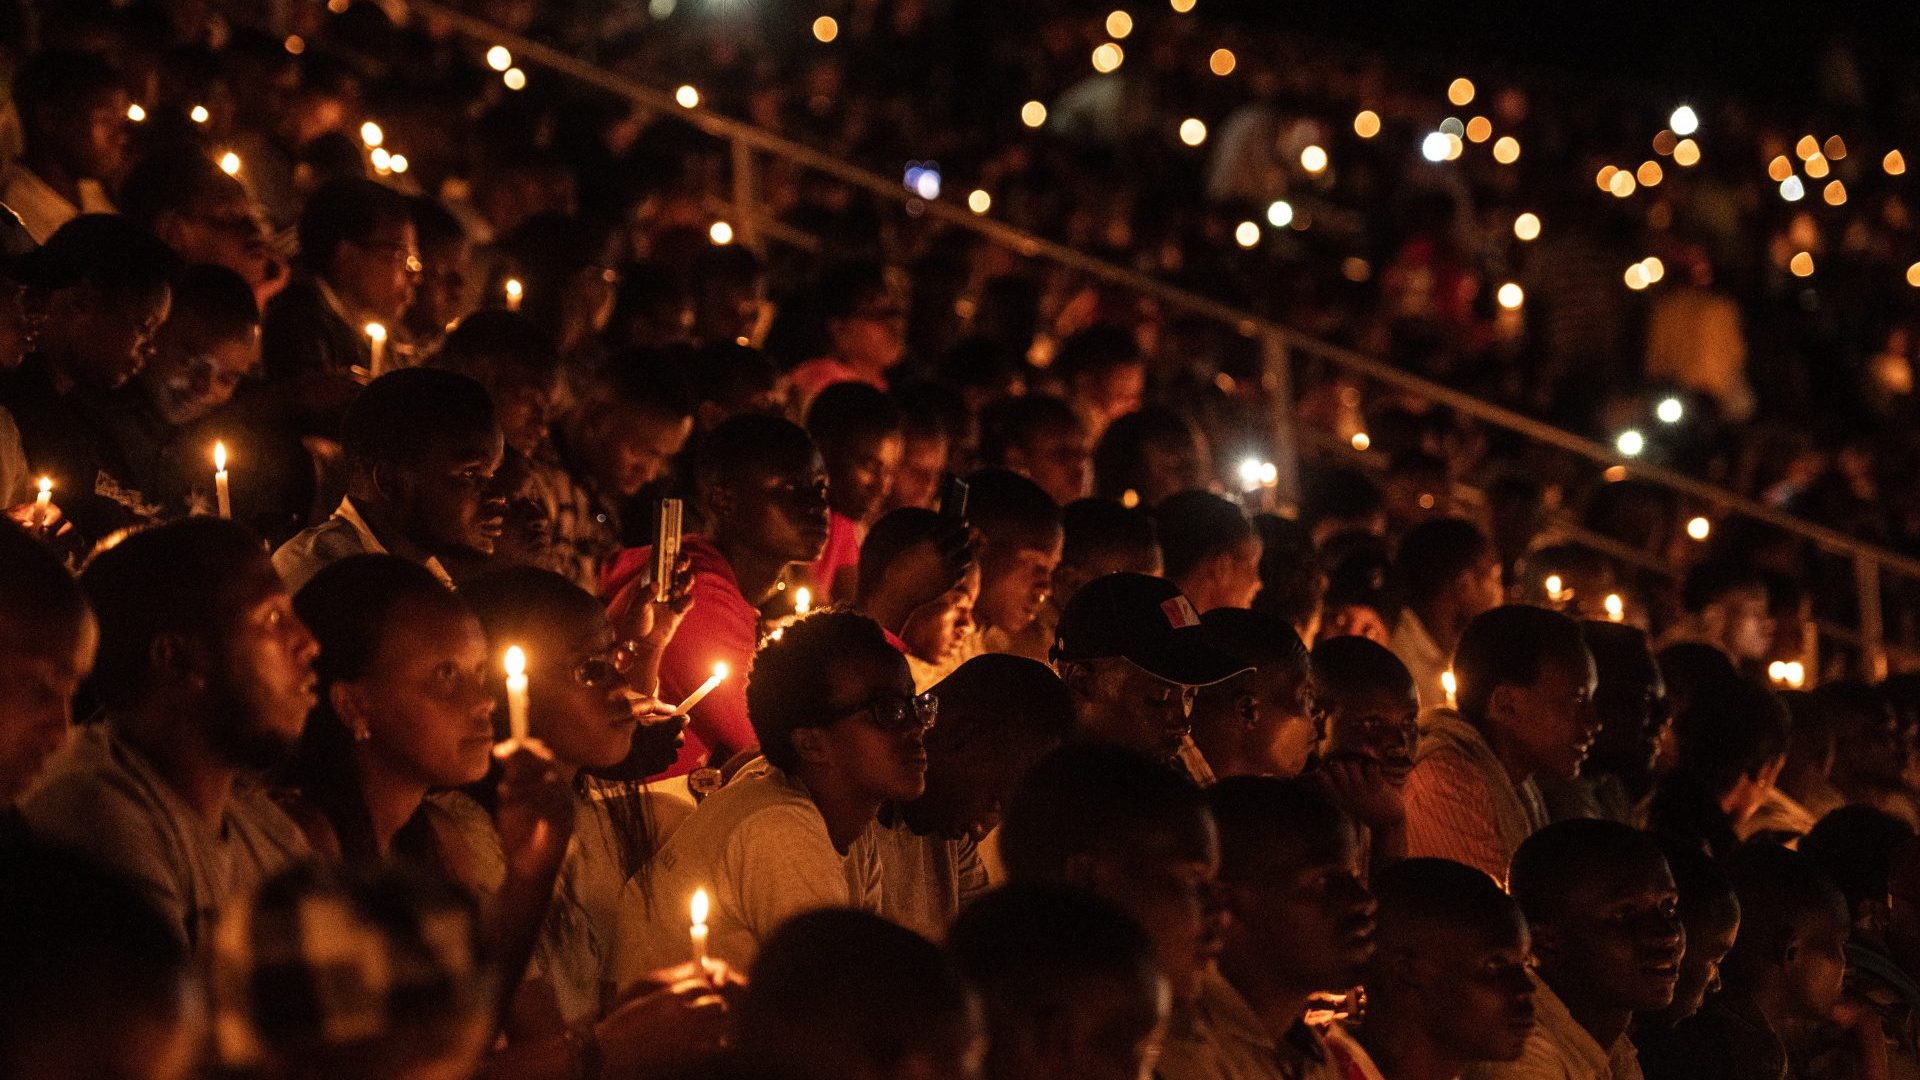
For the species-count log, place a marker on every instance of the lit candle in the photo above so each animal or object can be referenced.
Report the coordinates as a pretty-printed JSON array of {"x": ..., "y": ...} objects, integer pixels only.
[
  {"x": 43, "y": 504},
  {"x": 220, "y": 493},
  {"x": 802, "y": 601},
  {"x": 377, "y": 344},
  {"x": 516, "y": 665},
  {"x": 1556, "y": 590},
  {"x": 514, "y": 292},
  {"x": 1616, "y": 608},
  {"x": 699, "y": 932},
  {"x": 1449, "y": 684},
  {"x": 719, "y": 674}
]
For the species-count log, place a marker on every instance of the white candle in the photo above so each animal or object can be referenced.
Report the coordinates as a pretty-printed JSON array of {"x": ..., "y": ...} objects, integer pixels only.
[
  {"x": 719, "y": 674},
  {"x": 516, "y": 664},
  {"x": 1616, "y": 608},
  {"x": 802, "y": 601},
  {"x": 1449, "y": 684},
  {"x": 42, "y": 505},
  {"x": 1555, "y": 591},
  {"x": 220, "y": 493},
  {"x": 377, "y": 346},
  {"x": 699, "y": 931},
  {"x": 514, "y": 292}
]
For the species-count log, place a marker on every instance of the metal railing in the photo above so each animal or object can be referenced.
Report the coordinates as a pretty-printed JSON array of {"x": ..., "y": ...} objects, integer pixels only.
[{"x": 1278, "y": 342}]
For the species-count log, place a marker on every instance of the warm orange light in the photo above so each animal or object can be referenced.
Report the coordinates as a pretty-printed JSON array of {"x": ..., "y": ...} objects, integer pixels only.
[
  {"x": 1366, "y": 124},
  {"x": 1801, "y": 264},
  {"x": 1222, "y": 62}
]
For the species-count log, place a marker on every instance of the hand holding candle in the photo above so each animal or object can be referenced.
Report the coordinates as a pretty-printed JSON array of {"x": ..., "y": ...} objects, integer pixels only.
[
  {"x": 516, "y": 664},
  {"x": 720, "y": 671},
  {"x": 220, "y": 492},
  {"x": 699, "y": 932}
]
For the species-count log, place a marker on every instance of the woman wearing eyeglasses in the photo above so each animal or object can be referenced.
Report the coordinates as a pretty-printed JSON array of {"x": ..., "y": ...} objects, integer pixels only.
[{"x": 843, "y": 735}]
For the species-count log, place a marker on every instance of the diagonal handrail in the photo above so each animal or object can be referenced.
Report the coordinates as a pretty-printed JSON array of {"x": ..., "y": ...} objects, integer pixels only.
[{"x": 1247, "y": 323}]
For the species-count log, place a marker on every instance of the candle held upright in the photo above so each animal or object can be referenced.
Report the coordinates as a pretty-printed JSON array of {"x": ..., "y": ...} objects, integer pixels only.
[
  {"x": 698, "y": 909},
  {"x": 516, "y": 665},
  {"x": 221, "y": 494}
]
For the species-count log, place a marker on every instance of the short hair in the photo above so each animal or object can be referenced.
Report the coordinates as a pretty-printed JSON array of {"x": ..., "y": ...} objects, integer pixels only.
[
  {"x": 1341, "y": 495},
  {"x": 1510, "y": 646},
  {"x": 106, "y": 251},
  {"x": 1087, "y": 798},
  {"x": 1196, "y": 526},
  {"x": 166, "y": 580},
  {"x": 1550, "y": 863},
  {"x": 523, "y": 600},
  {"x": 1856, "y": 846},
  {"x": 648, "y": 380},
  {"x": 1693, "y": 669},
  {"x": 402, "y": 414},
  {"x": 1706, "y": 893},
  {"x": 745, "y": 445},
  {"x": 839, "y": 983},
  {"x": 1714, "y": 579},
  {"x": 847, "y": 412},
  {"x": 1622, "y": 661},
  {"x": 1096, "y": 350},
  {"x": 172, "y": 180},
  {"x": 36, "y": 588},
  {"x": 1259, "y": 816},
  {"x": 1256, "y": 639},
  {"x": 498, "y": 347},
  {"x": 1016, "y": 421},
  {"x": 1434, "y": 554},
  {"x": 1005, "y": 505},
  {"x": 1734, "y": 732},
  {"x": 1359, "y": 573},
  {"x": 793, "y": 677},
  {"x": 1291, "y": 581},
  {"x": 1003, "y": 697},
  {"x": 897, "y": 532},
  {"x": 1097, "y": 529},
  {"x": 217, "y": 296},
  {"x": 61, "y": 79},
  {"x": 350, "y": 209},
  {"x": 1120, "y": 458},
  {"x": 82, "y": 942},
  {"x": 1034, "y": 946},
  {"x": 433, "y": 223},
  {"x": 729, "y": 374},
  {"x": 1354, "y": 665},
  {"x": 1779, "y": 891},
  {"x": 1412, "y": 894},
  {"x": 844, "y": 287}
]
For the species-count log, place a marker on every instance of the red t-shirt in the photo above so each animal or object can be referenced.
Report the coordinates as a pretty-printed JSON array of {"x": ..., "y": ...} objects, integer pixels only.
[{"x": 840, "y": 556}]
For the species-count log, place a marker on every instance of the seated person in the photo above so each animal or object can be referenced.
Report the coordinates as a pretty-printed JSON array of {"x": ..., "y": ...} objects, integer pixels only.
[
  {"x": 1607, "y": 941},
  {"x": 71, "y": 106},
  {"x": 998, "y": 715},
  {"x": 1859, "y": 848},
  {"x": 865, "y": 327},
  {"x": 910, "y": 561},
  {"x": 1042, "y": 438},
  {"x": 1069, "y": 984},
  {"x": 1630, "y": 698},
  {"x": 1134, "y": 653},
  {"x": 1365, "y": 697},
  {"x": 1099, "y": 537},
  {"x": 1300, "y": 922},
  {"x": 833, "y": 708},
  {"x": 96, "y": 981},
  {"x": 858, "y": 431},
  {"x": 1447, "y": 986},
  {"x": 1730, "y": 748},
  {"x": 1260, "y": 721},
  {"x": 47, "y": 642},
  {"x": 936, "y": 632},
  {"x": 1103, "y": 372},
  {"x": 205, "y": 676},
  {"x": 1525, "y": 679},
  {"x": 1154, "y": 453},
  {"x": 1726, "y": 607},
  {"x": 1784, "y": 974},
  {"x": 1293, "y": 579},
  {"x": 421, "y": 446},
  {"x": 359, "y": 258},
  {"x": 1212, "y": 551},
  {"x": 1710, "y": 915},
  {"x": 763, "y": 495},
  {"x": 1802, "y": 793},
  {"x": 1020, "y": 542},
  {"x": 1133, "y": 831},
  {"x": 846, "y": 993},
  {"x": 182, "y": 196},
  {"x": 933, "y": 420},
  {"x": 1449, "y": 573},
  {"x": 633, "y": 415}
]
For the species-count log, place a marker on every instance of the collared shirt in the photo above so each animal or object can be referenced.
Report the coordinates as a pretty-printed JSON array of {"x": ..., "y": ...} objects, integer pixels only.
[
  {"x": 43, "y": 210},
  {"x": 1221, "y": 1038},
  {"x": 1461, "y": 803},
  {"x": 1413, "y": 643},
  {"x": 341, "y": 536},
  {"x": 1560, "y": 1049}
]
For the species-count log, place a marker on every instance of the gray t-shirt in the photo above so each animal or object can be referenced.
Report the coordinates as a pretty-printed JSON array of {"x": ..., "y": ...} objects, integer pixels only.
[
  {"x": 926, "y": 880},
  {"x": 103, "y": 798}
]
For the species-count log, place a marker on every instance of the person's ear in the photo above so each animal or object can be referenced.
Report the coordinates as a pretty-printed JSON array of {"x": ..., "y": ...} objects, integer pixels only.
[
  {"x": 1079, "y": 678},
  {"x": 813, "y": 745},
  {"x": 348, "y": 706},
  {"x": 178, "y": 659},
  {"x": 1246, "y": 707},
  {"x": 1546, "y": 941},
  {"x": 722, "y": 503},
  {"x": 1504, "y": 702},
  {"x": 1403, "y": 967}
]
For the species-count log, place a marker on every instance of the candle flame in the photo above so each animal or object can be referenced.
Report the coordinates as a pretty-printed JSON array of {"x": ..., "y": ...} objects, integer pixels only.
[
  {"x": 802, "y": 601},
  {"x": 1616, "y": 607},
  {"x": 1448, "y": 683},
  {"x": 721, "y": 670},
  {"x": 46, "y": 485},
  {"x": 1554, "y": 584},
  {"x": 376, "y": 331},
  {"x": 516, "y": 662},
  {"x": 514, "y": 288},
  {"x": 699, "y": 906},
  {"x": 219, "y": 456}
]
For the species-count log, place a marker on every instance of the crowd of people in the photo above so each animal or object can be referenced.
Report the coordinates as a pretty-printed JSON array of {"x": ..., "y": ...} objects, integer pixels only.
[{"x": 461, "y": 616}]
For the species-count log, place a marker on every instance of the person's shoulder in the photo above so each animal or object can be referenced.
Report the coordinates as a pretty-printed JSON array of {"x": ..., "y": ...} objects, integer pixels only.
[
  {"x": 95, "y": 797},
  {"x": 253, "y": 811}
]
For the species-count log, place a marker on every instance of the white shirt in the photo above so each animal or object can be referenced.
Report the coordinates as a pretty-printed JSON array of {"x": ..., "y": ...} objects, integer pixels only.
[{"x": 42, "y": 209}]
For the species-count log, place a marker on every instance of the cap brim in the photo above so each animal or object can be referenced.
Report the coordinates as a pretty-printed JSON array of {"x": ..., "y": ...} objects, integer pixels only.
[{"x": 1184, "y": 657}]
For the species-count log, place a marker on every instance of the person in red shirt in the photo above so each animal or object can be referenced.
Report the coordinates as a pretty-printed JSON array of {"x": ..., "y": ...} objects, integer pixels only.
[
  {"x": 763, "y": 491},
  {"x": 858, "y": 431}
]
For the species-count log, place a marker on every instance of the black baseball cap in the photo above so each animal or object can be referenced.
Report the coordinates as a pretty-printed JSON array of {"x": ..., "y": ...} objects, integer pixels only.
[{"x": 1146, "y": 620}]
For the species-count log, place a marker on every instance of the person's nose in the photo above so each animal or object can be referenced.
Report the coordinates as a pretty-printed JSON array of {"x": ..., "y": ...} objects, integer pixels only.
[{"x": 306, "y": 647}]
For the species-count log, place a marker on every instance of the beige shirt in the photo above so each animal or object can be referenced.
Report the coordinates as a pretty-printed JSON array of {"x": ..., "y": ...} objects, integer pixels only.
[
  {"x": 760, "y": 848},
  {"x": 926, "y": 880},
  {"x": 103, "y": 798},
  {"x": 1220, "y": 1038},
  {"x": 341, "y": 536},
  {"x": 1461, "y": 802},
  {"x": 1560, "y": 1049},
  {"x": 1425, "y": 660}
]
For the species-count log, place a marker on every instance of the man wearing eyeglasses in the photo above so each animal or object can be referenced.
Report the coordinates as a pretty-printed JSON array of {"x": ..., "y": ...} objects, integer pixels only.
[
  {"x": 842, "y": 734},
  {"x": 359, "y": 261},
  {"x": 1134, "y": 655}
]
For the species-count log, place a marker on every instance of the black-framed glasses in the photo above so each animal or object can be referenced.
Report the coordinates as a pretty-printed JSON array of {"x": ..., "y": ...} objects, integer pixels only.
[
  {"x": 899, "y": 714},
  {"x": 609, "y": 668}
]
